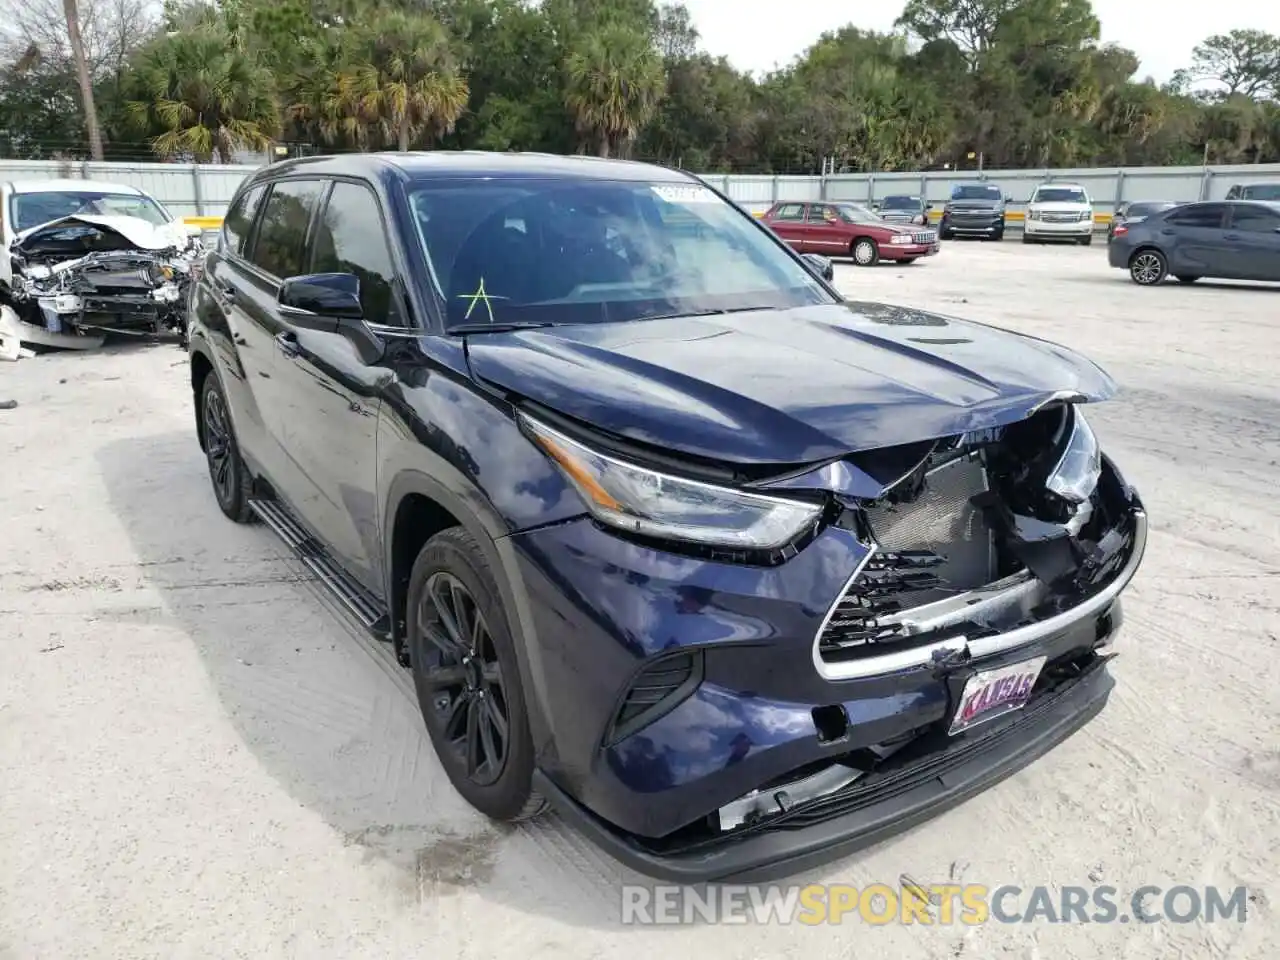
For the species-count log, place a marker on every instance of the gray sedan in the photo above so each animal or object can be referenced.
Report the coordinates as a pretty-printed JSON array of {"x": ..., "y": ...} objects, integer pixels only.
[{"x": 1230, "y": 240}]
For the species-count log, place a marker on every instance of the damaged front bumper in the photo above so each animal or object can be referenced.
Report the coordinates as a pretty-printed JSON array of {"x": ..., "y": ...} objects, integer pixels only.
[{"x": 786, "y": 713}]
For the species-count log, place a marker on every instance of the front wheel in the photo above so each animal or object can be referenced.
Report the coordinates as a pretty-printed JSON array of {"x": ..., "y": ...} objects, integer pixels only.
[
  {"x": 468, "y": 679},
  {"x": 227, "y": 472},
  {"x": 1027, "y": 239},
  {"x": 864, "y": 252},
  {"x": 907, "y": 261},
  {"x": 1085, "y": 241},
  {"x": 1148, "y": 267}
]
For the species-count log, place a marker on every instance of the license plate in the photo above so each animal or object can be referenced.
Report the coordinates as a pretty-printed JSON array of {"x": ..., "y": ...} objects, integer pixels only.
[{"x": 993, "y": 693}]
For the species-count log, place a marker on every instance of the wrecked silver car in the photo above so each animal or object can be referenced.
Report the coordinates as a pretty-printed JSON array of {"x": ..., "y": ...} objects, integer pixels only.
[{"x": 88, "y": 274}]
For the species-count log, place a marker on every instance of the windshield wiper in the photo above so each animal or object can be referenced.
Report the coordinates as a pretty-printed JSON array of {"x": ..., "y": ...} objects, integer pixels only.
[{"x": 497, "y": 327}]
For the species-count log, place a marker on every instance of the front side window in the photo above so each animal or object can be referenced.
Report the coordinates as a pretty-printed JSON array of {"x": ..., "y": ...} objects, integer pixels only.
[
  {"x": 278, "y": 246},
  {"x": 1060, "y": 195},
  {"x": 351, "y": 238},
  {"x": 558, "y": 251},
  {"x": 823, "y": 213},
  {"x": 239, "y": 219},
  {"x": 32, "y": 209},
  {"x": 790, "y": 211},
  {"x": 1254, "y": 219}
]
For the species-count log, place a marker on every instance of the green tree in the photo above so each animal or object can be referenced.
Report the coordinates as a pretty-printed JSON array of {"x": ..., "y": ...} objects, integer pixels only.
[
  {"x": 200, "y": 97},
  {"x": 615, "y": 82},
  {"x": 401, "y": 82},
  {"x": 1245, "y": 62}
]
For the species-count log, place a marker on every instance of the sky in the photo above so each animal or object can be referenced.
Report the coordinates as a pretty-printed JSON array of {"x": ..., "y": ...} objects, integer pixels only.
[{"x": 759, "y": 35}]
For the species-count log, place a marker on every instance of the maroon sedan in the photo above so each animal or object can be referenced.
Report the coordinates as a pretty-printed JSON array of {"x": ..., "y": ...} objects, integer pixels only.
[{"x": 849, "y": 230}]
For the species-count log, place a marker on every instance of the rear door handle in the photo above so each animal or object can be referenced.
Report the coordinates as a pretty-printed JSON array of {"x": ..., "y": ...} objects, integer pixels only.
[{"x": 287, "y": 343}]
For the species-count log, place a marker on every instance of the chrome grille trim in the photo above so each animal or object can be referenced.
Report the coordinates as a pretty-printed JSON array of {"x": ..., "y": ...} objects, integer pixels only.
[{"x": 983, "y": 646}]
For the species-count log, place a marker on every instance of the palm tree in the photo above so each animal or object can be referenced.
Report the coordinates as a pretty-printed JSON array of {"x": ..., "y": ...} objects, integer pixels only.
[
  {"x": 205, "y": 97},
  {"x": 400, "y": 82},
  {"x": 72, "y": 13},
  {"x": 616, "y": 80}
]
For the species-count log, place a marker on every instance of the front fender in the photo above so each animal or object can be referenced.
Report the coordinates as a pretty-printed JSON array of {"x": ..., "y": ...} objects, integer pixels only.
[{"x": 441, "y": 439}]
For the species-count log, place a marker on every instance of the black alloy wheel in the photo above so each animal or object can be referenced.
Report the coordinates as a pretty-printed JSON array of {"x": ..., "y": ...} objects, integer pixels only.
[
  {"x": 467, "y": 675},
  {"x": 227, "y": 473},
  {"x": 468, "y": 699}
]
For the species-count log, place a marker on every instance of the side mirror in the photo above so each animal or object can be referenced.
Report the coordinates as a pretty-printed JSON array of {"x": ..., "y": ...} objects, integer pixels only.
[
  {"x": 819, "y": 265},
  {"x": 322, "y": 297}
]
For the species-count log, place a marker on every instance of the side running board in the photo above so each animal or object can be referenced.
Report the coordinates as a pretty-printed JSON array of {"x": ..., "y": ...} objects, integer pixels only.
[{"x": 361, "y": 604}]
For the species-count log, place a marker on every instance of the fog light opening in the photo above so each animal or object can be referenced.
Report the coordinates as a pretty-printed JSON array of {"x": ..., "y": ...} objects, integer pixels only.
[{"x": 832, "y": 722}]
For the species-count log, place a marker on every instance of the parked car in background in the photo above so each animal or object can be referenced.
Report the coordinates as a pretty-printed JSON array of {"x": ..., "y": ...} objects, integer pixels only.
[
  {"x": 849, "y": 230},
  {"x": 737, "y": 574},
  {"x": 974, "y": 210},
  {"x": 1254, "y": 191},
  {"x": 1230, "y": 240},
  {"x": 1137, "y": 211},
  {"x": 1059, "y": 211},
  {"x": 82, "y": 258},
  {"x": 904, "y": 209}
]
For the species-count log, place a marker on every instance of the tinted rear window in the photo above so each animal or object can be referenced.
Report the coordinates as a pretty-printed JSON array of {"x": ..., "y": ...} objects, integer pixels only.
[{"x": 900, "y": 203}]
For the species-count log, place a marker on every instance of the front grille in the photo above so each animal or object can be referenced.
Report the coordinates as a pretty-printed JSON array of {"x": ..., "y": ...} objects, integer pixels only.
[
  {"x": 657, "y": 689},
  {"x": 924, "y": 237},
  {"x": 1062, "y": 217},
  {"x": 926, "y": 550}
]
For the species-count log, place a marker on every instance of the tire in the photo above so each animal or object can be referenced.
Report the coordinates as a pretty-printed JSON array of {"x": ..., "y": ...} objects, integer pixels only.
[
  {"x": 998, "y": 235},
  {"x": 1148, "y": 267},
  {"x": 230, "y": 478},
  {"x": 1085, "y": 241},
  {"x": 907, "y": 261},
  {"x": 945, "y": 234},
  {"x": 1027, "y": 239},
  {"x": 475, "y": 681},
  {"x": 864, "y": 252},
  {"x": 1186, "y": 279}
]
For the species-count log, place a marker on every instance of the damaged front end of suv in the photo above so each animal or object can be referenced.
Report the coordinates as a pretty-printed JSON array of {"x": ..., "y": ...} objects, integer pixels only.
[{"x": 82, "y": 276}]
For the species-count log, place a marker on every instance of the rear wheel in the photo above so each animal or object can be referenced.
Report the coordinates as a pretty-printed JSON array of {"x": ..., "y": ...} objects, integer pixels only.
[
  {"x": 1185, "y": 279},
  {"x": 468, "y": 679},
  {"x": 227, "y": 472},
  {"x": 1148, "y": 267},
  {"x": 864, "y": 252}
]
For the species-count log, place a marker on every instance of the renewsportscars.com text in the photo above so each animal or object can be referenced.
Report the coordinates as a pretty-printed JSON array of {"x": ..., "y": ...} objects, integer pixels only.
[{"x": 938, "y": 904}]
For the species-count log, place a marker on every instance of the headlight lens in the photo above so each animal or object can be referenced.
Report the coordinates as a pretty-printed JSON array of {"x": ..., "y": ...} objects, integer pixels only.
[
  {"x": 1076, "y": 474},
  {"x": 900, "y": 238},
  {"x": 639, "y": 500}
]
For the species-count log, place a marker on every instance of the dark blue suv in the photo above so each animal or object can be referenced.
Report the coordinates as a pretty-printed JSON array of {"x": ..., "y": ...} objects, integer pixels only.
[{"x": 735, "y": 573}]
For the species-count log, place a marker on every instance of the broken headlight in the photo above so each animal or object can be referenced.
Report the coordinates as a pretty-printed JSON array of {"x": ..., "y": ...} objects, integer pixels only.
[
  {"x": 1075, "y": 475},
  {"x": 639, "y": 500}
]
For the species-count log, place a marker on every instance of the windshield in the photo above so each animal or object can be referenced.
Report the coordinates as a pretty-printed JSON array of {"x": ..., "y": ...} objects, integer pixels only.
[
  {"x": 1262, "y": 191},
  {"x": 853, "y": 213},
  {"x": 32, "y": 209},
  {"x": 1059, "y": 195},
  {"x": 975, "y": 191},
  {"x": 585, "y": 251},
  {"x": 900, "y": 203},
  {"x": 1146, "y": 209}
]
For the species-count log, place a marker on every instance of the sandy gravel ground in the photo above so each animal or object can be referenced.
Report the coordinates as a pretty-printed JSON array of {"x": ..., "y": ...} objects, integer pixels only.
[{"x": 199, "y": 757}]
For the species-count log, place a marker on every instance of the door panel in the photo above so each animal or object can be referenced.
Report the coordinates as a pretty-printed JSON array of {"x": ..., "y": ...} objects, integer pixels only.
[
  {"x": 278, "y": 252},
  {"x": 331, "y": 395},
  {"x": 1193, "y": 239},
  {"x": 1254, "y": 241},
  {"x": 826, "y": 232}
]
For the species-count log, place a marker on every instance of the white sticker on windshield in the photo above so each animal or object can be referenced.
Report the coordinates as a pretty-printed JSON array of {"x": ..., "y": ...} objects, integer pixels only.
[{"x": 684, "y": 194}]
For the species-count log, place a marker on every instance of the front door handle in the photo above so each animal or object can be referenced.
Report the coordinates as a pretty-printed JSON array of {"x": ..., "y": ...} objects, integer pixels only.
[
  {"x": 1231, "y": 236},
  {"x": 287, "y": 344}
]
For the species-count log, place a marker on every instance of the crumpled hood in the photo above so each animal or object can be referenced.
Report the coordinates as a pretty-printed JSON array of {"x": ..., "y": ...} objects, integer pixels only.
[
  {"x": 786, "y": 387},
  {"x": 134, "y": 230}
]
